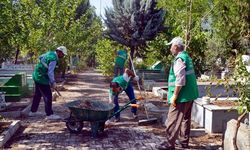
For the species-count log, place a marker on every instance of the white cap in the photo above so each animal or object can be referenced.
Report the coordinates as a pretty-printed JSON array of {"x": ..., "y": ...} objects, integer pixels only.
[
  {"x": 176, "y": 41},
  {"x": 62, "y": 49},
  {"x": 246, "y": 60}
]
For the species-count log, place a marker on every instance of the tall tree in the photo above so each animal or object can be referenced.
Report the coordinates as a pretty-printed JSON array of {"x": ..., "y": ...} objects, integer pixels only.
[
  {"x": 36, "y": 26},
  {"x": 6, "y": 29},
  {"x": 231, "y": 23},
  {"x": 185, "y": 19},
  {"x": 134, "y": 22}
]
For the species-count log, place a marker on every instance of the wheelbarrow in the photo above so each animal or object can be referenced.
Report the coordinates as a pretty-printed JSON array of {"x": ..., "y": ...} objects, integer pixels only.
[{"x": 97, "y": 115}]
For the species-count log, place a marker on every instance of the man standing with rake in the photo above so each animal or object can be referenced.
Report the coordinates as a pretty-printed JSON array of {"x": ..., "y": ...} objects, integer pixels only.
[{"x": 44, "y": 80}]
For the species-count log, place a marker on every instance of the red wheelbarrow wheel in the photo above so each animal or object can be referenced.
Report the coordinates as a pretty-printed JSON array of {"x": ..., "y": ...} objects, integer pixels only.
[{"x": 74, "y": 126}]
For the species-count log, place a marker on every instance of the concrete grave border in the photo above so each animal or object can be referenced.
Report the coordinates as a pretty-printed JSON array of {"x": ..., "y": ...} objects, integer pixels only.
[
  {"x": 16, "y": 114},
  {"x": 212, "y": 117},
  {"x": 7, "y": 134}
]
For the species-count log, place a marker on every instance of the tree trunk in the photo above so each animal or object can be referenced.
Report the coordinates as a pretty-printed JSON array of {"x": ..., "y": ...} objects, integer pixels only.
[
  {"x": 189, "y": 22},
  {"x": 17, "y": 53},
  {"x": 132, "y": 51},
  {"x": 237, "y": 127}
]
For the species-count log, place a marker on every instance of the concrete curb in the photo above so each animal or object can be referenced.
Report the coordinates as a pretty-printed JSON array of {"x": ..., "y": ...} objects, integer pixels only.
[
  {"x": 6, "y": 135},
  {"x": 16, "y": 114},
  {"x": 197, "y": 132},
  {"x": 26, "y": 111}
]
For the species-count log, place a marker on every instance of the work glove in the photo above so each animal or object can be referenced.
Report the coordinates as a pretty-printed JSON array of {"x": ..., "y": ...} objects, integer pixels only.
[
  {"x": 136, "y": 78},
  {"x": 140, "y": 98},
  {"x": 53, "y": 85},
  {"x": 173, "y": 100}
]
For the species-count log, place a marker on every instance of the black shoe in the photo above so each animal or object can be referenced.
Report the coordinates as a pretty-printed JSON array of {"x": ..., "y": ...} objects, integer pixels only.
[
  {"x": 163, "y": 147},
  {"x": 183, "y": 145}
]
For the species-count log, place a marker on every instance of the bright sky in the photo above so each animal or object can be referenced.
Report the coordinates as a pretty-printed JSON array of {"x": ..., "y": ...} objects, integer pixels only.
[{"x": 100, "y": 6}]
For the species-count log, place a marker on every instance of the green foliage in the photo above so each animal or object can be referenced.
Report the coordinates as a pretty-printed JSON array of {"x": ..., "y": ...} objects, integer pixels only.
[
  {"x": 208, "y": 89},
  {"x": 196, "y": 50},
  {"x": 134, "y": 22},
  {"x": 158, "y": 51},
  {"x": 8, "y": 29},
  {"x": 105, "y": 54},
  {"x": 36, "y": 26},
  {"x": 230, "y": 33},
  {"x": 141, "y": 65},
  {"x": 231, "y": 23},
  {"x": 62, "y": 66},
  {"x": 242, "y": 85},
  {"x": 177, "y": 23}
]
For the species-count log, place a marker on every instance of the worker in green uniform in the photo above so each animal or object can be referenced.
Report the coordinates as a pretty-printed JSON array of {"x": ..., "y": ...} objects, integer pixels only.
[
  {"x": 182, "y": 91},
  {"x": 44, "y": 80},
  {"x": 123, "y": 83},
  {"x": 120, "y": 61}
]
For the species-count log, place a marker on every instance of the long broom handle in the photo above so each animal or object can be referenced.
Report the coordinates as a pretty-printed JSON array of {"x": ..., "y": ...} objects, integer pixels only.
[
  {"x": 146, "y": 111},
  {"x": 135, "y": 74}
]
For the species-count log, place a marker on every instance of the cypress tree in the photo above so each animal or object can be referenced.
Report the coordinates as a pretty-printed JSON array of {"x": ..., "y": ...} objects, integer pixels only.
[{"x": 134, "y": 22}]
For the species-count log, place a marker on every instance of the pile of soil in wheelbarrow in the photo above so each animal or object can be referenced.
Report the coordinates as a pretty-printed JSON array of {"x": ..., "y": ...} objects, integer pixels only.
[{"x": 94, "y": 105}]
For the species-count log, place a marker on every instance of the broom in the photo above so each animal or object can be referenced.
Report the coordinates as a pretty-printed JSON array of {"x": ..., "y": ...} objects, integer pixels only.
[{"x": 148, "y": 120}]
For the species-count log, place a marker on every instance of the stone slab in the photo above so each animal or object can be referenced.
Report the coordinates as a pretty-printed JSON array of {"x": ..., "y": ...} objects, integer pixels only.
[
  {"x": 243, "y": 136},
  {"x": 161, "y": 113},
  {"x": 17, "y": 113},
  {"x": 163, "y": 93},
  {"x": 216, "y": 119},
  {"x": 198, "y": 113},
  {"x": 155, "y": 89},
  {"x": 198, "y": 110},
  {"x": 148, "y": 84},
  {"x": 6, "y": 135},
  {"x": 197, "y": 132}
]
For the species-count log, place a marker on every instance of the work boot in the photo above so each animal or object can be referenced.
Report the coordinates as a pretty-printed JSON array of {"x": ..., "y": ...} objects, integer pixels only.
[
  {"x": 33, "y": 114},
  {"x": 53, "y": 117},
  {"x": 179, "y": 143},
  {"x": 164, "y": 147}
]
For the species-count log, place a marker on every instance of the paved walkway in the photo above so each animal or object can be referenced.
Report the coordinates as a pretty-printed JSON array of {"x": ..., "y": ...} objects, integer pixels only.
[{"x": 39, "y": 133}]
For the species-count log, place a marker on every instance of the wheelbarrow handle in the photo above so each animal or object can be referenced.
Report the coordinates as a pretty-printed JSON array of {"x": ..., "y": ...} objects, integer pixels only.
[
  {"x": 122, "y": 108},
  {"x": 134, "y": 105},
  {"x": 58, "y": 92}
]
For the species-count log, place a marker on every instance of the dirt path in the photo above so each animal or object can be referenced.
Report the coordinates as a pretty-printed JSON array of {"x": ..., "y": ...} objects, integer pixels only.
[{"x": 39, "y": 133}]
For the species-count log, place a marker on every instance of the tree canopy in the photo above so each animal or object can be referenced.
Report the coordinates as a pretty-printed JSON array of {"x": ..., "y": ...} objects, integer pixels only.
[
  {"x": 134, "y": 22},
  {"x": 37, "y": 26}
]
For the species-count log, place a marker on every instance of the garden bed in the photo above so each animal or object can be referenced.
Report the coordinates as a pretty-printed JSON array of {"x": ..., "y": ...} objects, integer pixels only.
[{"x": 225, "y": 103}]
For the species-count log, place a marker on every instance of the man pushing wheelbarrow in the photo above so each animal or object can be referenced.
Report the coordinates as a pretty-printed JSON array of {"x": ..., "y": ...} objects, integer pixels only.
[{"x": 98, "y": 112}]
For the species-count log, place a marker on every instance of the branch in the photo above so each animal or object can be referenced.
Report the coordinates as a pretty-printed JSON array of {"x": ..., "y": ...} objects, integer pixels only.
[
  {"x": 188, "y": 34},
  {"x": 237, "y": 128}
]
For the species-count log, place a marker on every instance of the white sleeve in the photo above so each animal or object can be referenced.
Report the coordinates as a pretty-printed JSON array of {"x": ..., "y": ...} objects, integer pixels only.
[
  {"x": 180, "y": 72},
  {"x": 126, "y": 77},
  {"x": 111, "y": 97}
]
